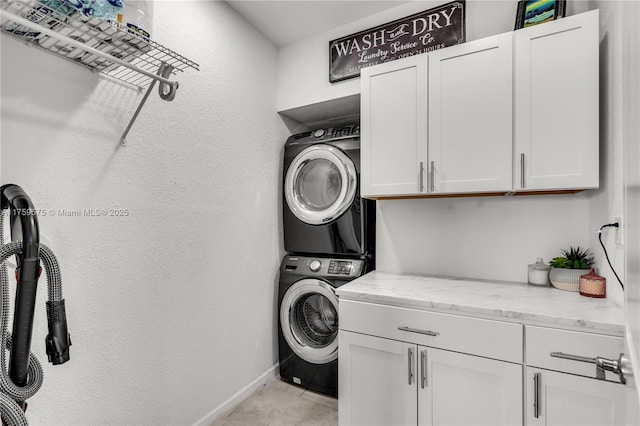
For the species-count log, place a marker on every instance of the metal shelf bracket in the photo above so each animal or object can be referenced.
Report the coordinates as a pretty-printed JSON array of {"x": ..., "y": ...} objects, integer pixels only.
[{"x": 169, "y": 96}]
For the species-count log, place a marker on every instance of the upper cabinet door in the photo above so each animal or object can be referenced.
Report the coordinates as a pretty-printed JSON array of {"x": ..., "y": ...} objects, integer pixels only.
[
  {"x": 393, "y": 127},
  {"x": 556, "y": 104},
  {"x": 470, "y": 116}
]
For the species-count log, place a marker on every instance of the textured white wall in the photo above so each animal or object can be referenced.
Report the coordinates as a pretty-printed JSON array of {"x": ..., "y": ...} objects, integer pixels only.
[
  {"x": 607, "y": 203},
  {"x": 492, "y": 238},
  {"x": 171, "y": 309}
]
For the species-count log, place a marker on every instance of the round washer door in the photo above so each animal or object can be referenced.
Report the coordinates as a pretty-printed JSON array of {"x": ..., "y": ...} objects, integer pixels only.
[
  {"x": 309, "y": 320},
  {"x": 321, "y": 184}
]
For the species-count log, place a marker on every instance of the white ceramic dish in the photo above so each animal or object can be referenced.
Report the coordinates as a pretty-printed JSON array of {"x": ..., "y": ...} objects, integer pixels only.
[{"x": 566, "y": 279}]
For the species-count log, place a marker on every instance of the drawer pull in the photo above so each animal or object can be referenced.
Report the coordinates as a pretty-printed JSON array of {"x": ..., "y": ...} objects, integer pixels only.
[
  {"x": 416, "y": 330},
  {"x": 423, "y": 368},
  {"x": 410, "y": 356},
  {"x": 522, "y": 170},
  {"x": 433, "y": 171},
  {"x": 536, "y": 395},
  {"x": 572, "y": 357},
  {"x": 602, "y": 364}
]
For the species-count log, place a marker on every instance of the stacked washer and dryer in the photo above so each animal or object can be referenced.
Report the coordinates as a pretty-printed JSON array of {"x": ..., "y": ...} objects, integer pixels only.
[{"x": 329, "y": 234}]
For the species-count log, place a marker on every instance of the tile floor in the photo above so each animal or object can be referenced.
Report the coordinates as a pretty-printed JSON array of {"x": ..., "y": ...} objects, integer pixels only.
[{"x": 281, "y": 404}]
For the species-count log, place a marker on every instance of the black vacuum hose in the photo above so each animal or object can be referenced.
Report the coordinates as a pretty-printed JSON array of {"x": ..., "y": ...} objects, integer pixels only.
[{"x": 25, "y": 372}]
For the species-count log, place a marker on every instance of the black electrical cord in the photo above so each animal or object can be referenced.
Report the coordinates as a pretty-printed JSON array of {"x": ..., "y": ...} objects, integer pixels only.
[{"x": 615, "y": 225}]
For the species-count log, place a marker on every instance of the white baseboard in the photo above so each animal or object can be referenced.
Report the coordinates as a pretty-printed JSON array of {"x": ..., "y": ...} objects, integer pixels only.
[{"x": 222, "y": 409}]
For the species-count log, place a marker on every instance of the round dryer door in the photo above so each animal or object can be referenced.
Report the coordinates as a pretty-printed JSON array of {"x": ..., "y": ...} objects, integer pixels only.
[
  {"x": 321, "y": 184},
  {"x": 309, "y": 320}
]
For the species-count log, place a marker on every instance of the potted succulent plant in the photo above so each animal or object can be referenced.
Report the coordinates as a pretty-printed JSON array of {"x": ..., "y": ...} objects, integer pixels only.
[{"x": 566, "y": 269}]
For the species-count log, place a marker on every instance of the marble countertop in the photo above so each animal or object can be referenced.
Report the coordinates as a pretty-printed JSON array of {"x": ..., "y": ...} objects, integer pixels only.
[{"x": 516, "y": 301}]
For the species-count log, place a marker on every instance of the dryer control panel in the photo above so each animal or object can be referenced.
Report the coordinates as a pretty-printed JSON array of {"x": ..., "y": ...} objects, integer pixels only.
[
  {"x": 337, "y": 132},
  {"x": 323, "y": 267}
]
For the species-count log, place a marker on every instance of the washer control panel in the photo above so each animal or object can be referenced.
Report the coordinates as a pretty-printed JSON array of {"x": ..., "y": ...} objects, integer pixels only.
[
  {"x": 340, "y": 267},
  {"x": 326, "y": 267}
]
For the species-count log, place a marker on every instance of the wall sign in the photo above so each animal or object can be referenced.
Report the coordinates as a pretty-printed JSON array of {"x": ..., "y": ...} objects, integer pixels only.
[{"x": 423, "y": 32}]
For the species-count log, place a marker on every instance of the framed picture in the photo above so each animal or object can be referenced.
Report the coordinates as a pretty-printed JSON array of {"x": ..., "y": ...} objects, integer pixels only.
[{"x": 534, "y": 12}]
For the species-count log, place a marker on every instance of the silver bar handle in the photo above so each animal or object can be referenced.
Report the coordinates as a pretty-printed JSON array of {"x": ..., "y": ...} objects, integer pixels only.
[
  {"x": 416, "y": 330},
  {"x": 599, "y": 371},
  {"x": 421, "y": 176},
  {"x": 410, "y": 354},
  {"x": 522, "y": 170},
  {"x": 433, "y": 184},
  {"x": 573, "y": 357},
  {"x": 536, "y": 395},
  {"x": 602, "y": 364},
  {"x": 423, "y": 368}
]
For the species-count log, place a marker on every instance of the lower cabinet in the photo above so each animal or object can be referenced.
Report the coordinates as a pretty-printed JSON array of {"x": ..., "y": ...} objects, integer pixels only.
[
  {"x": 387, "y": 382},
  {"x": 401, "y": 366},
  {"x": 560, "y": 389},
  {"x": 489, "y": 390},
  {"x": 376, "y": 381},
  {"x": 555, "y": 398}
]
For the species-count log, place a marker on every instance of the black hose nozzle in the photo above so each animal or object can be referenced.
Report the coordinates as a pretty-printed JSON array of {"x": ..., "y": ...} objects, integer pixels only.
[{"x": 58, "y": 340}]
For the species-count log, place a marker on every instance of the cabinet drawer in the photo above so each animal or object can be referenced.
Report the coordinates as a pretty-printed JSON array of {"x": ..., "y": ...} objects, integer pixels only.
[
  {"x": 492, "y": 339},
  {"x": 541, "y": 341}
]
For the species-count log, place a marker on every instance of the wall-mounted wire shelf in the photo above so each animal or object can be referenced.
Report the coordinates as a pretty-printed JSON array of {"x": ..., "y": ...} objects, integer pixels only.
[
  {"x": 106, "y": 47},
  {"x": 90, "y": 42}
]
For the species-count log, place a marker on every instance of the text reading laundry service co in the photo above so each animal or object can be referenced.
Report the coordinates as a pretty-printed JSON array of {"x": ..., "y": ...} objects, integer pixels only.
[{"x": 432, "y": 29}]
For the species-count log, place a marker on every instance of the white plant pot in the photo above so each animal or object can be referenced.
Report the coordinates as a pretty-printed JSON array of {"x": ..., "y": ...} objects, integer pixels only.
[{"x": 566, "y": 279}]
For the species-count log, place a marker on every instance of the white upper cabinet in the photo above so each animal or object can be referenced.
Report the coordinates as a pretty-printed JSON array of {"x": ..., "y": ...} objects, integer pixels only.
[
  {"x": 470, "y": 116},
  {"x": 394, "y": 127},
  {"x": 556, "y": 104},
  {"x": 461, "y": 144},
  {"x": 514, "y": 112}
]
